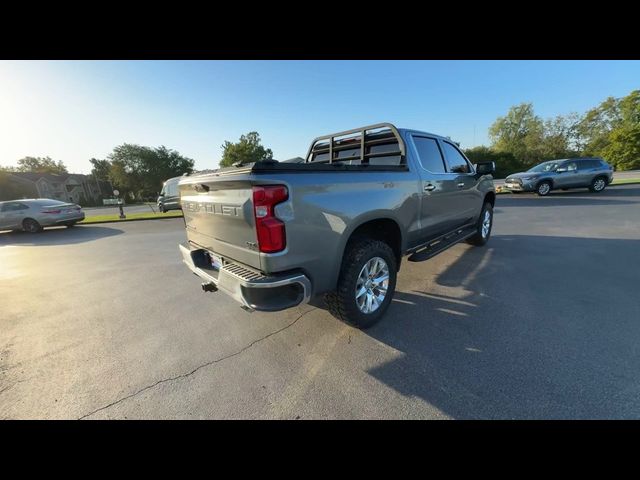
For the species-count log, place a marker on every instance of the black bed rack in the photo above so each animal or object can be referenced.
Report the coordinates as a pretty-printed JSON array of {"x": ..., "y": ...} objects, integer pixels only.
[{"x": 331, "y": 145}]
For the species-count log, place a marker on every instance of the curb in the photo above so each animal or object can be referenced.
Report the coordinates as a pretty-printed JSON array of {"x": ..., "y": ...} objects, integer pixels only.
[{"x": 129, "y": 220}]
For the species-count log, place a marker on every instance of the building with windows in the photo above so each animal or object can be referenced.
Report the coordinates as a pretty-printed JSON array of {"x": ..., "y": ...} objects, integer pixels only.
[{"x": 68, "y": 187}]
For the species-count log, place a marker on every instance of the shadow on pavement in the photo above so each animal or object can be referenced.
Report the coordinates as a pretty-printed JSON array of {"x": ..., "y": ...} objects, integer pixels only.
[
  {"x": 530, "y": 327},
  {"x": 58, "y": 236}
]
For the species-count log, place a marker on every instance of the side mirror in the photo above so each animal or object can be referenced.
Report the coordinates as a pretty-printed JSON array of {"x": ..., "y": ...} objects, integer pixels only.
[{"x": 485, "y": 168}]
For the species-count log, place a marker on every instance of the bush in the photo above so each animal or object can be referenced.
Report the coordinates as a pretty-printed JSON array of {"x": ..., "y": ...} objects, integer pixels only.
[{"x": 506, "y": 163}]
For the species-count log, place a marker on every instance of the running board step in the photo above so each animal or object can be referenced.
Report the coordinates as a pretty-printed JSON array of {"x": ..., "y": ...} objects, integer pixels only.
[{"x": 442, "y": 243}]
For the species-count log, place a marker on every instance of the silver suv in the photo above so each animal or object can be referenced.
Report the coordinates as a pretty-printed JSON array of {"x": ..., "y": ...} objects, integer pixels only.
[{"x": 592, "y": 173}]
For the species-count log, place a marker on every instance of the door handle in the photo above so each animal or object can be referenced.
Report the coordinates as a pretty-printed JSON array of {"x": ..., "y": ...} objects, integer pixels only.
[
  {"x": 429, "y": 187},
  {"x": 461, "y": 185}
]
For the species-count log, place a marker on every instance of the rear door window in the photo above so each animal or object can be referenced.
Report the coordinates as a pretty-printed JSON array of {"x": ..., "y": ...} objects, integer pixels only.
[
  {"x": 13, "y": 207},
  {"x": 429, "y": 154},
  {"x": 589, "y": 164}
]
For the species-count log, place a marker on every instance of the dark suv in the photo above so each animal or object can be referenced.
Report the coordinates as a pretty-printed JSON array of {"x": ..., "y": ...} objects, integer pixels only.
[
  {"x": 169, "y": 198},
  {"x": 592, "y": 173}
]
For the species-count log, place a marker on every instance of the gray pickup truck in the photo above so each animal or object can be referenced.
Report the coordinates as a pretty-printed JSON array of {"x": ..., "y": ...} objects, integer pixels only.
[{"x": 273, "y": 235}]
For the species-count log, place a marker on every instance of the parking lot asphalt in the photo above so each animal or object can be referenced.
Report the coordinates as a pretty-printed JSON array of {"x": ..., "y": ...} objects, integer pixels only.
[{"x": 104, "y": 321}]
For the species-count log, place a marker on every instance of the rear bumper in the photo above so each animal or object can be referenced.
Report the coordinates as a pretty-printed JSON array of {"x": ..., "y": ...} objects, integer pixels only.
[
  {"x": 72, "y": 218},
  {"x": 253, "y": 291},
  {"x": 62, "y": 219}
]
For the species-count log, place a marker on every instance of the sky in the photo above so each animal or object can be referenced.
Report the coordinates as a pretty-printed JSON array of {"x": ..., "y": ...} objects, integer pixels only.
[{"x": 75, "y": 110}]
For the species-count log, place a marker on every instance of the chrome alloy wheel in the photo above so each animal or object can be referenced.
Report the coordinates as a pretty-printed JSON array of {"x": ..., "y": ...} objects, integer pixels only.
[
  {"x": 544, "y": 188},
  {"x": 599, "y": 184},
  {"x": 486, "y": 223},
  {"x": 372, "y": 284}
]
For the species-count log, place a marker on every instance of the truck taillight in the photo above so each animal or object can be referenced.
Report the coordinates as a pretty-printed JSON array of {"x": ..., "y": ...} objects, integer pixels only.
[{"x": 270, "y": 230}]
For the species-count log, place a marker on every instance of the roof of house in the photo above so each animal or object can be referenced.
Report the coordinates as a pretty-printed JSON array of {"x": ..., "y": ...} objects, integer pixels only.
[
  {"x": 51, "y": 177},
  {"x": 35, "y": 176}
]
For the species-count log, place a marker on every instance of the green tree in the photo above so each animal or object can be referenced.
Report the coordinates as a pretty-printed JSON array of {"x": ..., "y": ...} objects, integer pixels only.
[
  {"x": 41, "y": 165},
  {"x": 121, "y": 179},
  {"x": 596, "y": 125},
  {"x": 558, "y": 139},
  {"x": 140, "y": 170},
  {"x": 100, "y": 168},
  {"x": 506, "y": 162},
  {"x": 623, "y": 150},
  {"x": 610, "y": 130},
  {"x": 520, "y": 132},
  {"x": 248, "y": 150},
  {"x": 531, "y": 139}
]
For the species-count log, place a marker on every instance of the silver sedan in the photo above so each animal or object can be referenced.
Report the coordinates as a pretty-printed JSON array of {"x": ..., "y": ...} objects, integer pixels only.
[{"x": 33, "y": 214}]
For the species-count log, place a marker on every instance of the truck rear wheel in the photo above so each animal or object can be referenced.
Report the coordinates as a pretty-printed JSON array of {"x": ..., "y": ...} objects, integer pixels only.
[{"x": 366, "y": 284}]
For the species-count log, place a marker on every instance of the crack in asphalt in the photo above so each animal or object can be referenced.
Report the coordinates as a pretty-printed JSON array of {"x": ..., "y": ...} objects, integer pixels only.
[
  {"x": 185, "y": 375},
  {"x": 12, "y": 385}
]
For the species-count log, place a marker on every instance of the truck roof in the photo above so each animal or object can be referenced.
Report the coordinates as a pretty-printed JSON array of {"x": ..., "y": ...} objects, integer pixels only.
[{"x": 405, "y": 131}]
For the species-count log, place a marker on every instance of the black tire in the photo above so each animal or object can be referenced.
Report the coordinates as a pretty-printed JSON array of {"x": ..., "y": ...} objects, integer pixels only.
[
  {"x": 30, "y": 225},
  {"x": 598, "y": 184},
  {"x": 479, "y": 239},
  {"x": 72, "y": 224},
  {"x": 162, "y": 210},
  {"x": 516, "y": 192},
  {"x": 565, "y": 189},
  {"x": 543, "y": 188},
  {"x": 342, "y": 303}
]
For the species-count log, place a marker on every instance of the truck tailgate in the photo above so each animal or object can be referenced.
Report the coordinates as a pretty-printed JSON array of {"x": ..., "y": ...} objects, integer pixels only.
[{"x": 218, "y": 214}]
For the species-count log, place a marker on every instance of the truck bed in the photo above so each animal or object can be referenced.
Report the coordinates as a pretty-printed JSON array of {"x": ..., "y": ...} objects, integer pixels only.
[{"x": 320, "y": 210}]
